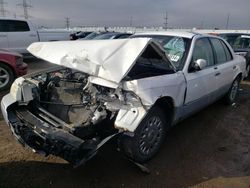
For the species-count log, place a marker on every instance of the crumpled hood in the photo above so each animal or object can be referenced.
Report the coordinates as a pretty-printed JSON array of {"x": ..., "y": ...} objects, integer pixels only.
[{"x": 107, "y": 59}]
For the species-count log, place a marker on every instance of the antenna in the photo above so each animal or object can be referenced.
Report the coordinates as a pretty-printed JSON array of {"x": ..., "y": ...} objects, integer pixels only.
[
  {"x": 166, "y": 21},
  {"x": 67, "y": 22},
  {"x": 25, "y": 7},
  {"x": 3, "y": 11}
]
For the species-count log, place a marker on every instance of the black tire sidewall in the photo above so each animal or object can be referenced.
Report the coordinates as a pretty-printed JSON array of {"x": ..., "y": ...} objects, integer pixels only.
[
  {"x": 229, "y": 100},
  {"x": 131, "y": 145},
  {"x": 11, "y": 76}
]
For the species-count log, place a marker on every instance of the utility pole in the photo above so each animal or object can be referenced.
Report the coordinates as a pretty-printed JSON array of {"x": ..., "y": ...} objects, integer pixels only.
[
  {"x": 228, "y": 17},
  {"x": 166, "y": 21},
  {"x": 67, "y": 22},
  {"x": 25, "y": 7},
  {"x": 3, "y": 11},
  {"x": 131, "y": 21}
]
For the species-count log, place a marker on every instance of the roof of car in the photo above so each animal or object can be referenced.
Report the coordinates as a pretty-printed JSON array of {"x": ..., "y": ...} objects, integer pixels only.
[
  {"x": 174, "y": 33},
  {"x": 234, "y": 34}
]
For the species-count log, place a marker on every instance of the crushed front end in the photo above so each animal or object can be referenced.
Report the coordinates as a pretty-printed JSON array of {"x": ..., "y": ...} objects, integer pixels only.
[{"x": 61, "y": 113}]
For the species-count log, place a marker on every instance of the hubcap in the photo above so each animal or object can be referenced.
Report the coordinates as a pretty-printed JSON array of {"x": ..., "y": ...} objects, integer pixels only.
[
  {"x": 4, "y": 77},
  {"x": 150, "y": 135},
  {"x": 234, "y": 90}
]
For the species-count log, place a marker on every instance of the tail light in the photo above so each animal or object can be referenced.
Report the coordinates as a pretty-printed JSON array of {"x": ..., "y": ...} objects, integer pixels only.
[{"x": 19, "y": 60}]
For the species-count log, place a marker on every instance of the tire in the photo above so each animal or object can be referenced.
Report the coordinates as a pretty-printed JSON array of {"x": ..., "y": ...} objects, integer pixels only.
[
  {"x": 233, "y": 92},
  {"x": 6, "y": 77},
  {"x": 248, "y": 71},
  {"x": 148, "y": 137}
]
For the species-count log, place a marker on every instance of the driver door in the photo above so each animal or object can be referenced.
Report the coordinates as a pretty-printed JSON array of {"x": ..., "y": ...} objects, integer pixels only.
[{"x": 200, "y": 84}]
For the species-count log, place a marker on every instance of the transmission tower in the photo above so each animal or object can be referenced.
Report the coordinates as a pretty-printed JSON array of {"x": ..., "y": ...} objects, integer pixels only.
[
  {"x": 3, "y": 11},
  {"x": 67, "y": 22},
  {"x": 166, "y": 21},
  {"x": 25, "y": 7}
]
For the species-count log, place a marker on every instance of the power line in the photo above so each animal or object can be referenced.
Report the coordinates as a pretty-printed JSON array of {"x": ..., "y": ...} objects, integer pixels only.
[
  {"x": 67, "y": 22},
  {"x": 3, "y": 11},
  {"x": 25, "y": 7}
]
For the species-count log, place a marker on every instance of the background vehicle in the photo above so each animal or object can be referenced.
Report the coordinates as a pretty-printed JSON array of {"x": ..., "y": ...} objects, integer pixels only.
[
  {"x": 16, "y": 35},
  {"x": 112, "y": 35},
  {"x": 11, "y": 66},
  {"x": 122, "y": 87},
  {"x": 240, "y": 43},
  {"x": 93, "y": 35},
  {"x": 79, "y": 35}
]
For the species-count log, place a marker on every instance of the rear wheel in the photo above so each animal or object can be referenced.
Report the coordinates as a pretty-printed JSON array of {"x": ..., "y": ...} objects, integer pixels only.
[
  {"x": 6, "y": 76},
  {"x": 248, "y": 70},
  {"x": 233, "y": 92},
  {"x": 148, "y": 137}
]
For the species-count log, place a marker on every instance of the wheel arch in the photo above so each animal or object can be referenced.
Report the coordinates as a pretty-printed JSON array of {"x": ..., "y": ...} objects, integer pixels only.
[
  {"x": 166, "y": 104},
  {"x": 7, "y": 64}
]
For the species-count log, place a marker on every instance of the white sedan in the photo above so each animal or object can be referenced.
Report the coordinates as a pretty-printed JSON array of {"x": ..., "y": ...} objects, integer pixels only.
[{"x": 135, "y": 89}]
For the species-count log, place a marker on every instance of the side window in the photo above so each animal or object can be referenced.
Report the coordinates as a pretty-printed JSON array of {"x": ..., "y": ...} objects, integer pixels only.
[
  {"x": 17, "y": 26},
  {"x": 227, "y": 51},
  {"x": 219, "y": 51},
  {"x": 203, "y": 50},
  {"x": 3, "y": 26}
]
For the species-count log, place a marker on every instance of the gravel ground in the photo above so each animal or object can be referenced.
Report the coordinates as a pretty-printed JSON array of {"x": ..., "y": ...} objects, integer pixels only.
[{"x": 209, "y": 149}]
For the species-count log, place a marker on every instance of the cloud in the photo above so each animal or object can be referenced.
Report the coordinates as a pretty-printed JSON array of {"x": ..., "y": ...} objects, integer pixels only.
[{"x": 181, "y": 13}]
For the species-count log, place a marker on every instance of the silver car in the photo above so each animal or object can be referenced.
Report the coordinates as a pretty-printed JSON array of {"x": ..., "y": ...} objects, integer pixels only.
[{"x": 134, "y": 89}]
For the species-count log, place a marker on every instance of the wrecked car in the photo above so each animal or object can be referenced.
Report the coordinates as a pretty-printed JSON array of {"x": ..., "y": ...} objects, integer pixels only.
[{"x": 126, "y": 88}]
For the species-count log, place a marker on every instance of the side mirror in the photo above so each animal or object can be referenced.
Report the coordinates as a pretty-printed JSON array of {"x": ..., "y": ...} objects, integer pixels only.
[{"x": 199, "y": 64}]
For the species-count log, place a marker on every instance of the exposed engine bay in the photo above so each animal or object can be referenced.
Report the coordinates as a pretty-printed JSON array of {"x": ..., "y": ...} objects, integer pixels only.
[{"x": 64, "y": 114}]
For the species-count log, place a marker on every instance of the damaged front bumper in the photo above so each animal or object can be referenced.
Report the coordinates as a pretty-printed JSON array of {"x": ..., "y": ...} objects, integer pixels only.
[{"x": 49, "y": 138}]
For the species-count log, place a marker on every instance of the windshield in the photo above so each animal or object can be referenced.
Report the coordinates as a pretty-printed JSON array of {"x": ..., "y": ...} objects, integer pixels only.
[
  {"x": 91, "y": 36},
  {"x": 175, "y": 48},
  {"x": 105, "y": 36},
  {"x": 237, "y": 41}
]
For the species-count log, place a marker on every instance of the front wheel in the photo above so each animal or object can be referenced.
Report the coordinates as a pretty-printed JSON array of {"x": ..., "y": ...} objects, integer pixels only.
[
  {"x": 148, "y": 137},
  {"x": 233, "y": 91}
]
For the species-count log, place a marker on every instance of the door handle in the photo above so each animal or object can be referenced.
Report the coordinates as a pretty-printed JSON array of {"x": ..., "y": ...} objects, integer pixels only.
[
  {"x": 217, "y": 74},
  {"x": 215, "y": 68},
  {"x": 234, "y": 67},
  {"x": 3, "y": 35},
  {"x": 32, "y": 35}
]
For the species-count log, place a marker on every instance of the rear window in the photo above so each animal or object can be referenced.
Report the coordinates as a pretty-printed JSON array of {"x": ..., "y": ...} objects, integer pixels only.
[{"x": 13, "y": 26}]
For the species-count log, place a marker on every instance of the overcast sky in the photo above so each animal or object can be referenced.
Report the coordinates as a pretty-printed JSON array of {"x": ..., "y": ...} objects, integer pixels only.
[{"x": 181, "y": 13}]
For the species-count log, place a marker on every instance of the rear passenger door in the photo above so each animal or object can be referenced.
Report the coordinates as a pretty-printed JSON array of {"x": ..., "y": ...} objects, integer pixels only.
[
  {"x": 225, "y": 66},
  {"x": 20, "y": 35}
]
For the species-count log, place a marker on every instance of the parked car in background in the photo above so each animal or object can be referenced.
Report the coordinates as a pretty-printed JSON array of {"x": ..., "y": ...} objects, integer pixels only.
[
  {"x": 136, "y": 89},
  {"x": 11, "y": 67},
  {"x": 17, "y": 34},
  {"x": 112, "y": 35},
  {"x": 93, "y": 35},
  {"x": 79, "y": 35},
  {"x": 240, "y": 43}
]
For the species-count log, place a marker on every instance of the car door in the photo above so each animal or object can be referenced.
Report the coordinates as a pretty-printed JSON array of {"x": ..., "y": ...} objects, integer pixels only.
[
  {"x": 201, "y": 84},
  {"x": 3, "y": 35},
  {"x": 225, "y": 66},
  {"x": 20, "y": 35}
]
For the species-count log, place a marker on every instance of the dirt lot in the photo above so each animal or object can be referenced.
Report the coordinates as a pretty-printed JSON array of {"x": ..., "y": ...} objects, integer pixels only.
[{"x": 210, "y": 149}]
